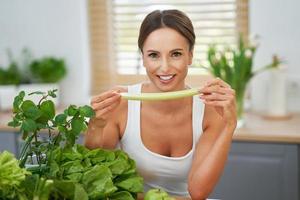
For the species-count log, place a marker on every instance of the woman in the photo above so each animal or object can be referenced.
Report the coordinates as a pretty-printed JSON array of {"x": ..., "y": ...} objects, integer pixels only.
[{"x": 178, "y": 145}]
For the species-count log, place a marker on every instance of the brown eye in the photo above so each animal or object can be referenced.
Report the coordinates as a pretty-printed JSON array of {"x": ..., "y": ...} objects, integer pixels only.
[
  {"x": 153, "y": 55},
  {"x": 176, "y": 54}
]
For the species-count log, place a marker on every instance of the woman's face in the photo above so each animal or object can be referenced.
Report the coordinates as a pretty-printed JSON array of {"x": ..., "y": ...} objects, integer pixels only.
[{"x": 166, "y": 57}]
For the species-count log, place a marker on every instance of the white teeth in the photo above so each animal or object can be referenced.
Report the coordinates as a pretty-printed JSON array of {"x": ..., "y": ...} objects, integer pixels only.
[{"x": 165, "y": 78}]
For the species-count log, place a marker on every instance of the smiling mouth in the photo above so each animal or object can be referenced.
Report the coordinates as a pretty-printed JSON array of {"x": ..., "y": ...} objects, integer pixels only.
[{"x": 166, "y": 78}]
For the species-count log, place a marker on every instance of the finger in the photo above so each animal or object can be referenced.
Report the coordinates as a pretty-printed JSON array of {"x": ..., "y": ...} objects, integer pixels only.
[
  {"x": 105, "y": 95},
  {"x": 108, "y": 109},
  {"x": 216, "y": 97},
  {"x": 107, "y": 102},
  {"x": 217, "y": 89},
  {"x": 212, "y": 89},
  {"x": 223, "y": 103},
  {"x": 217, "y": 81}
]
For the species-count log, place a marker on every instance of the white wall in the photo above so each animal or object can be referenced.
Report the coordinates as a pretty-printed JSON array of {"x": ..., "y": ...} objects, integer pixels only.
[
  {"x": 50, "y": 28},
  {"x": 277, "y": 24}
]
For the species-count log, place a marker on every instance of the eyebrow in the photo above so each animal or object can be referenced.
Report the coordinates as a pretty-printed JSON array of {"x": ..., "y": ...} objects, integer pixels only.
[{"x": 178, "y": 49}]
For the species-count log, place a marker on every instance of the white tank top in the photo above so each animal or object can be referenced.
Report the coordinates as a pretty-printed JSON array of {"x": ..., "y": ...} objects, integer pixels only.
[{"x": 158, "y": 171}]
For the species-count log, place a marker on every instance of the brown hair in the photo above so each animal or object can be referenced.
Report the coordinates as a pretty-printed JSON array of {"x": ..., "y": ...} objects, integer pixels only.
[{"x": 174, "y": 19}]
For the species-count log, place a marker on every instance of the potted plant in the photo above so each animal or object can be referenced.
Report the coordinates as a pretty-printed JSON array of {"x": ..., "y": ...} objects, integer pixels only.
[
  {"x": 9, "y": 78},
  {"x": 235, "y": 66},
  {"x": 28, "y": 74},
  {"x": 61, "y": 169},
  {"x": 45, "y": 74}
]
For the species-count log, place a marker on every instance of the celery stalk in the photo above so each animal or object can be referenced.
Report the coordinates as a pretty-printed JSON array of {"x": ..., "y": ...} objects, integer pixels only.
[{"x": 160, "y": 96}]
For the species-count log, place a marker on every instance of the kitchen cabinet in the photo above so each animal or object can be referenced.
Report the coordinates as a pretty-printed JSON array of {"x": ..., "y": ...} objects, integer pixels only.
[
  {"x": 263, "y": 163},
  {"x": 8, "y": 141},
  {"x": 260, "y": 171},
  {"x": 12, "y": 141}
]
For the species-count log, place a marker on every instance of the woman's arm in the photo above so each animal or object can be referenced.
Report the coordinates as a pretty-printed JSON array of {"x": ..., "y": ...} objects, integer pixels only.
[
  {"x": 212, "y": 149},
  {"x": 103, "y": 130}
]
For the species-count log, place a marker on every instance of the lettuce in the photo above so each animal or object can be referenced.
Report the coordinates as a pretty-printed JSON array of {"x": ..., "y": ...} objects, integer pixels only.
[
  {"x": 98, "y": 173},
  {"x": 11, "y": 177}
]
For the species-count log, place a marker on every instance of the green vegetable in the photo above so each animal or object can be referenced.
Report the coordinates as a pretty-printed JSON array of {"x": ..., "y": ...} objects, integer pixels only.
[
  {"x": 100, "y": 173},
  {"x": 160, "y": 96},
  {"x": 157, "y": 194},
  {"x": 11, "y": 176},
  {"x": 66, "y": 170}
]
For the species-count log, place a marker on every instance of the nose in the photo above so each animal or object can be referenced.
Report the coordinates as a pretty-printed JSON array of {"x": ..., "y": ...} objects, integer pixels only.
[{"x": 164, "y": 65}]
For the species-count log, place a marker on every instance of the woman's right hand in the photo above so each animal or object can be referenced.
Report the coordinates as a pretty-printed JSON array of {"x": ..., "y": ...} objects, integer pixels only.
[{"x": 104, "y": 104}]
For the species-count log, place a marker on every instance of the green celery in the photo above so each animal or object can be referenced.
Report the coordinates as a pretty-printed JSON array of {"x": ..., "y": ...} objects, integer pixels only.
[{"x": 161, "y": 95}]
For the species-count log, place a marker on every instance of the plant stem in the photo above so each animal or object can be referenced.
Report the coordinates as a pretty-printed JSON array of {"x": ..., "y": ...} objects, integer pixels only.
[{"x": 23, "y": 158}]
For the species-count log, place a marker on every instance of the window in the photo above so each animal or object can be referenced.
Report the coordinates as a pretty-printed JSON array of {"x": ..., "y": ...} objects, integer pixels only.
[{"x": 215, "y": 21}]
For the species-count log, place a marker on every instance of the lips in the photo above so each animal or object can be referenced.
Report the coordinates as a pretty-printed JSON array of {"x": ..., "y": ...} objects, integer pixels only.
[{"x": 166, "y": 78}]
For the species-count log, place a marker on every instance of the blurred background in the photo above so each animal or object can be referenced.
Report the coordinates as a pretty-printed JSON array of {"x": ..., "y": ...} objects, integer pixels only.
[
  {"x": 88, "y": 46},
  {"x": 97, "y": 39}
]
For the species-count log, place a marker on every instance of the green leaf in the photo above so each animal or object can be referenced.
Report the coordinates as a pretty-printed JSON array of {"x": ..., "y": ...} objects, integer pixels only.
[
  {"x": 72, "y": 110},
  {"x": 11, "y": 176},
  {"x": 29, "y": 125},
  {"x": 30, "y": 110},
  {"x": 80, "y": 193},
  {"x": 18, "y": 101},
  {"x": 62, "y": 129},
  {"x": 14, "y": 123},
  {"x": 21, "y": 95},
  {"x": 132, "y": 184},
  {"x": 27, "y": 104},
  {"x": 52, "y": 94},
  {"x": 70, "y": 190},
  {"x": 76, "y": 177},
  {"x": 118, "y": 166},
  {"x": 61, "y": 119},
  {"x": 77, "y": 125},
  {"x": 48, "y": 109},
  {"x": 98, "y": 182},
  {"x": 86, "y": 111},
  {"x": 72, "y": 167}
]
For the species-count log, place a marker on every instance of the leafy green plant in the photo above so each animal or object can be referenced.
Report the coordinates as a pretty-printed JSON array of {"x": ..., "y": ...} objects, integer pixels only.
[
  {"x": 235, "y": 66},
  {"x": 11, "y": 75},
  {"x": 16, "y": 73},
  {"x": 63, "y": 169},
  {"x": 32, "y": 118},
  {"x": 48, "y": 69},
  {"x": 11, "y": 177},
  {"x": 102, "y": 174}
]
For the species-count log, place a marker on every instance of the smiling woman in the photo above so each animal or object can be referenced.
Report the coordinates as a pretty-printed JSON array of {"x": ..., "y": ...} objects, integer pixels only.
[
  {"x": 179, "y": 145},
  {"x": 114, "y": 30}
]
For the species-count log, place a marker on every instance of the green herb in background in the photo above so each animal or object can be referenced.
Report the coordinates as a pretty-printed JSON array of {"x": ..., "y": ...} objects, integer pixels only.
[{"x": 48, "y": 70}]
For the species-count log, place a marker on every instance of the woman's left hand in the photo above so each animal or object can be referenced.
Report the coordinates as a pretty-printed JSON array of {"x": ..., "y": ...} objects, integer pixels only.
[{"x": 221, "y": 96}]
